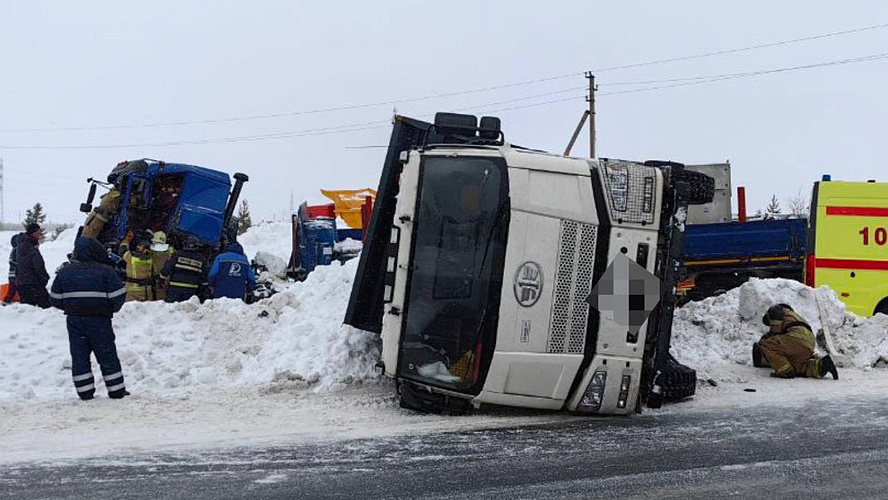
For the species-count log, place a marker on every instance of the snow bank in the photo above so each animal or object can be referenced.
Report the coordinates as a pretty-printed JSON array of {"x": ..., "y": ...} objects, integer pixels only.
[
  {"x": 720, "y": 330},
  {"x": 275, "y": 238},
  {"x": 295, "y": 339}
]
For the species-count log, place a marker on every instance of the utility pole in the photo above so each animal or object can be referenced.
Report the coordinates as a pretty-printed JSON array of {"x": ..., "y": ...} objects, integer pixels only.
[
  {"x": 587, "y": 114},
  {"x": 591, "y": 100},
  {"x": 2, "y": 213}
]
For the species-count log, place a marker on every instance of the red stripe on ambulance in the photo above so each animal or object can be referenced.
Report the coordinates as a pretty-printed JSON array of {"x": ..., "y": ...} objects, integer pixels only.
[
  {"x": 871, "y": 265},
  {"x": 858, "y": 211}
]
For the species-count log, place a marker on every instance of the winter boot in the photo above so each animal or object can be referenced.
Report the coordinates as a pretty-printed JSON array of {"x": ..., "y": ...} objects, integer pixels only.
[
  {"x": 118, "y": 394},
  {"x": 86, "y": 396},
  {"x": 783, "y": 375},
  {"x": 828, "y": 366}
]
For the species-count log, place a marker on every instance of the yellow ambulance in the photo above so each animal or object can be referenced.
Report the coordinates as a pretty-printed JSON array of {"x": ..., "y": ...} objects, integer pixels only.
[{"x": 848, "y": 243}]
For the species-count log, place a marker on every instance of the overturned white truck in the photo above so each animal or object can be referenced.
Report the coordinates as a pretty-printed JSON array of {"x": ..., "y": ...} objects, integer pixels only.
[{"x": 479, "y": 260}]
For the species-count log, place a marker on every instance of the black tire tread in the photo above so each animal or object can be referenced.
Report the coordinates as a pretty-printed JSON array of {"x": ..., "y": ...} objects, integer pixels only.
[
  {"x": 702, "y": 186},
  {"x": 677, "y": 381}
]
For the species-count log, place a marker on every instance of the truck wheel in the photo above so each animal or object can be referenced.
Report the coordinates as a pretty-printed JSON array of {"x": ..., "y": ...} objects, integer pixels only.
[
  {"x": 677, "y": 381},
  {"x": 702, "y": 187},
  {"x": 882, "y": 308}
]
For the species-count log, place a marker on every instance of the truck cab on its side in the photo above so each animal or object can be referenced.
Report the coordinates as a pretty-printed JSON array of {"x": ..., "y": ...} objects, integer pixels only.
[
  {"x": 181, "y": 200},
  {"x": 480, "y": 258}
]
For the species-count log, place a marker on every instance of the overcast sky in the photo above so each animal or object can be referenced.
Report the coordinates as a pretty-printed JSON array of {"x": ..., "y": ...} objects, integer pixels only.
[{"x": 118, "y": 64}]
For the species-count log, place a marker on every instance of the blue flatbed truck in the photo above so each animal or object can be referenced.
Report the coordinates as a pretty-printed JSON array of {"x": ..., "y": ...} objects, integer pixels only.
[{"x": 719, "y": 257}]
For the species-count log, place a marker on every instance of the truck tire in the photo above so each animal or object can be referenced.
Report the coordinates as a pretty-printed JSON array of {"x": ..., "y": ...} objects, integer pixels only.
[
  {"x": 882, "y": 308},
  {"x": 677, "y": 381},
  {"x": 702, "y": 187}
]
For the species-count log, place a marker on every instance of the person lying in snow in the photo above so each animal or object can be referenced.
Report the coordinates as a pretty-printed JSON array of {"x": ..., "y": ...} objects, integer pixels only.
[
  {"x": 90, "y": 292},
  {"x": 789, "y": 346}
]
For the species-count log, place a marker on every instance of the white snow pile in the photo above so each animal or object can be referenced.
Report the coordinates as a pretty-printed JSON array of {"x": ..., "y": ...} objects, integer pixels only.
[
  {"x": 293, "y": 340},
  {"x": 275, "y": 238},
  {"x": 720, "y": 330}
]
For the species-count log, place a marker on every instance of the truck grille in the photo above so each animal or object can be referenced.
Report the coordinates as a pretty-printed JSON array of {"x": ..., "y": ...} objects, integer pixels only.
[
  {"x": 573, "y": 282},
  {"x": 630, "y": 191}
]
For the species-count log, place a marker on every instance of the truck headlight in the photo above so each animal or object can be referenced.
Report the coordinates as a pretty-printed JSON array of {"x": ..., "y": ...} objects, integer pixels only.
[
  {"x": 624, "y": 391},
  {"x": 591, "y": 400}
]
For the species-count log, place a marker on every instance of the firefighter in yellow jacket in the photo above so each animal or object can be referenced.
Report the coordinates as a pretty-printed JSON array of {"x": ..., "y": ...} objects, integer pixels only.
[
  {"x": 96, "y": 220},
  {"x": 139, "y": 268},
  {"x": 789, "y": 346},
  {"x": 161, "y": 252}
]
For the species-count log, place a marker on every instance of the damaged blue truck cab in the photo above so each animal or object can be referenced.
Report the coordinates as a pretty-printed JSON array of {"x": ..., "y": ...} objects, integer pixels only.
[{"x": 184, "y": 201}]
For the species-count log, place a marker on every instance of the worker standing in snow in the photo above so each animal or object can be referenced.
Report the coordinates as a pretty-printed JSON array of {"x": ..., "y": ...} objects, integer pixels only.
[
  {"x": 161, "y": 252},
  {"x": 231, "y": 274},
  {"x": 138, "y": 271},
  {"x": 789, "y": 346},
  {"x": 11, "y": 291},
  {"x": 30, "y": 274},
  {"x": 90, "y": 292},
  {"x": 186, "y": 271}
]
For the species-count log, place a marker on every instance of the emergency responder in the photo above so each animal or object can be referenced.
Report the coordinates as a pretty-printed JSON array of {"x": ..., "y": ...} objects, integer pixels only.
[
  {"x": 161, "y": 252},
  {"x": 165, "y": 201},
  {"x": 231, "y": 274},
  {"x": 186, "y": 271},
  {"x": 90, "y": 292},
  {"x": 138, "y": 271},
  {"x": 789, "y": 346},
  {"x": 96, "y": 221},
  {"x": 11, "y": 291},
  {"x": 30, "y": 274}
]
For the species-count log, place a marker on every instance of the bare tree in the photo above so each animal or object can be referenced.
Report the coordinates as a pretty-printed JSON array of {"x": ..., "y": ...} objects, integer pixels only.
[{"x": 798, "y": 205}]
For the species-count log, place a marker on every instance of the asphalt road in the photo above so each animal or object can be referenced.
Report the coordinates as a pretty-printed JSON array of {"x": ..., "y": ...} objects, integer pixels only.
[{"x": 838, "y": 450}]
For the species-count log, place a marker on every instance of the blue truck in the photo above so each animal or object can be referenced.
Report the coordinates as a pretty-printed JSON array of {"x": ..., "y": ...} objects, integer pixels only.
[
  {"x": 719, "y": 257},
  {"x": 184, "y": 201}
]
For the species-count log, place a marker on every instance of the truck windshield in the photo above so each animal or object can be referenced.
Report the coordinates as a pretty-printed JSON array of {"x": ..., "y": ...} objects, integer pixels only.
[{"x": 456, "y": 242}]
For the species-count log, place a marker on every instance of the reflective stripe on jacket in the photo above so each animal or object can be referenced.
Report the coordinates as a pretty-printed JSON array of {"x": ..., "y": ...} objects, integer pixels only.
[{"x": 89, "y": 286}]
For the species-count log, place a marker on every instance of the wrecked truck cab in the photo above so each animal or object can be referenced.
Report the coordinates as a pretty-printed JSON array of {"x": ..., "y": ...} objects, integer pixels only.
[
  {"x": 184, "y": 201},
  {"x": 479, "y": 261}
]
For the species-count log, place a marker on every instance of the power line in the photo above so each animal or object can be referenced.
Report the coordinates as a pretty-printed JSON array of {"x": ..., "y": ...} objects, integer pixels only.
[
  {"x": 699, "y": 80},
  {"x": 356, "y": 127},
  {"x": 456, "y": 93},
  {"x": 752, "y": 73}
]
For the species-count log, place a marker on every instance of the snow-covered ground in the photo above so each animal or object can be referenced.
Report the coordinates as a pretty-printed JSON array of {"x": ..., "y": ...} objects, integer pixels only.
[{"x": 286, "y": 369}]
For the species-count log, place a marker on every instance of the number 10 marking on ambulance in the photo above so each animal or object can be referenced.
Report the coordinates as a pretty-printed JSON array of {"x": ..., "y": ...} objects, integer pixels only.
[{"x": 880, "y": 236}]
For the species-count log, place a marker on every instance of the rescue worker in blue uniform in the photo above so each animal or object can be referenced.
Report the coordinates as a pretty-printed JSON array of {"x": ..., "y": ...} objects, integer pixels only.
[
  {"x": 90, "y": 292},
  {"x": 186, "y": 271},
  {"x": 231, "y": 275}
]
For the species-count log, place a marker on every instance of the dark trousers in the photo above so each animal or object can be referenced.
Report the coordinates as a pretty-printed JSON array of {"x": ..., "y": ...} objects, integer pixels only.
[
  {"x": 93, "y": 334},
  {"x": 10, "y": 291},
  {"x": 179, "y": 294},
  {"x": 34, "y": 295}
]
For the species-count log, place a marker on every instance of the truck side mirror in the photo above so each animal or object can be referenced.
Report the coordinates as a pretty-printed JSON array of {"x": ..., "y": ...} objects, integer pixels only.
[{"x": 87, "y": 207}]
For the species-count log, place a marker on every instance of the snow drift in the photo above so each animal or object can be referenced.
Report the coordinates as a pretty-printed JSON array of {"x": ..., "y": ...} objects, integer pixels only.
[
  {"x": 294, "y": 339},
  {"x": 720, "y": 330}
]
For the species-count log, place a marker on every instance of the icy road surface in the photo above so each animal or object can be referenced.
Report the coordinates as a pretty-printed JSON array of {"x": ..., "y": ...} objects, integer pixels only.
[{"x": 835, "y": 448}]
